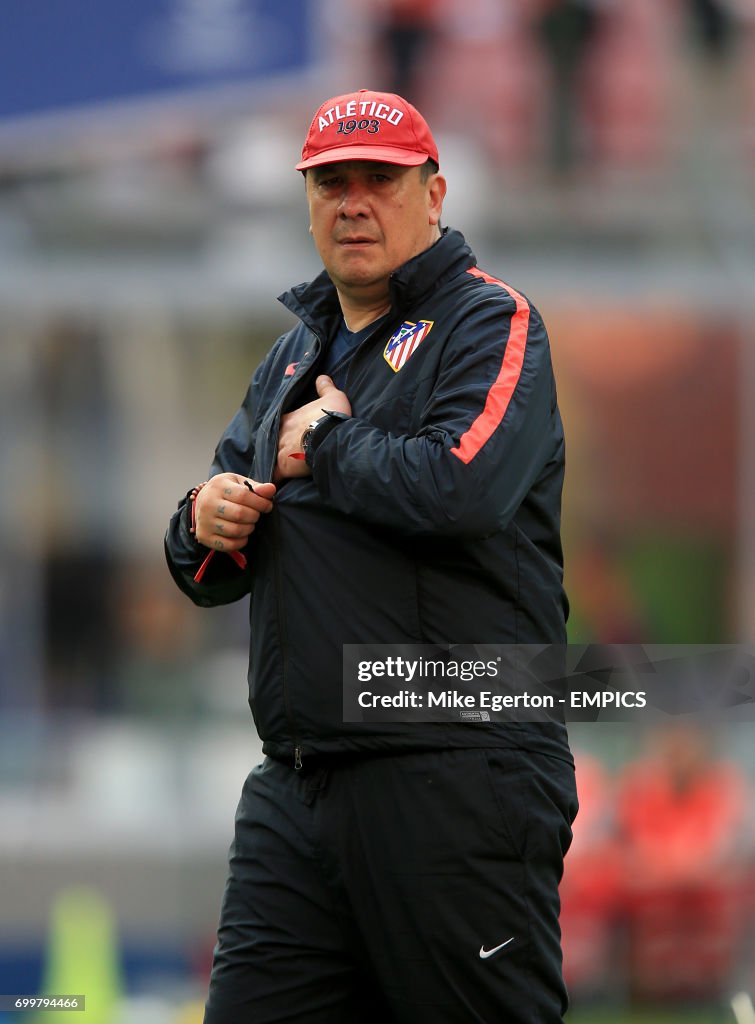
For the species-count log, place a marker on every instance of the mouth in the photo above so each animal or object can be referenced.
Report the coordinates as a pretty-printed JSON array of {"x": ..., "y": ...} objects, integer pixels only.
[{"x": 357, "y": 242}]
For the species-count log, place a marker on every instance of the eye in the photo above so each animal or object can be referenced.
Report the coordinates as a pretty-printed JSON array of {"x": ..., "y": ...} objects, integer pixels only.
[{"x": 326, "y": 180}]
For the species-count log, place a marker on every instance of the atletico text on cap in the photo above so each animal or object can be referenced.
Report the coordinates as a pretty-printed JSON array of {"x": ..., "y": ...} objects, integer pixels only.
[{"x": 365, "y": 125}]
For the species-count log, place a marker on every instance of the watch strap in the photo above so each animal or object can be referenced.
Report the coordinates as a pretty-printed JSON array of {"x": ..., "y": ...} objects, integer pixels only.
[{"x": 316, "y": 433}]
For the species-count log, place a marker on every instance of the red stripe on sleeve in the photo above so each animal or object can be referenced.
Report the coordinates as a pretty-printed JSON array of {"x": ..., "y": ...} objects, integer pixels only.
[{"x": 499, "y": 396}]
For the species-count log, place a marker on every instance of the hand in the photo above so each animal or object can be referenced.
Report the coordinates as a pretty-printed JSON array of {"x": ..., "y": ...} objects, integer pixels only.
[
  {"x": 227, "y": 511},
  {"x": 294, "y": 423}
]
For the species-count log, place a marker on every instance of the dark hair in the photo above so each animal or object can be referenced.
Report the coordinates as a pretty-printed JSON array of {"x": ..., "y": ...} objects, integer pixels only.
[{"x": 427, "y": 168}]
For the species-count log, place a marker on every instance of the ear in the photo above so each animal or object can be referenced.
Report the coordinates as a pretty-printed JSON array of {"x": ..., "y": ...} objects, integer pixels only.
[{"x": 436, "y": 193}]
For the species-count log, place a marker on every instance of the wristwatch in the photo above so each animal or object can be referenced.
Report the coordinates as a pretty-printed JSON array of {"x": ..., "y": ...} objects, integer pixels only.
[{"x": 317, "y": 431}]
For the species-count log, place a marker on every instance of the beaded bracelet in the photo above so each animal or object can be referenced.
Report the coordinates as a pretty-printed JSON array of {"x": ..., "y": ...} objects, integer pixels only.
[
  {"x": 192, "y": 498},
  {"x": 237, "y": 556}
]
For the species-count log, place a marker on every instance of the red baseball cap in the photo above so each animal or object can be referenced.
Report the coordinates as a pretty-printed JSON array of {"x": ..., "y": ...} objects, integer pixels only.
[{"x": 367, "y": 125}]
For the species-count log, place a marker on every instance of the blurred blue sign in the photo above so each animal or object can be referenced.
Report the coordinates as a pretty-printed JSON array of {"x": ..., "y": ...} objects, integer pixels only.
[{"x": 60, "y": 55}]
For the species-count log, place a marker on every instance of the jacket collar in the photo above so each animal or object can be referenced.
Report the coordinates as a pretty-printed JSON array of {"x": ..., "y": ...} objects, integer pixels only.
[
  {"x": 430, "y": 270},
  {"x": 316, "y": 302}
]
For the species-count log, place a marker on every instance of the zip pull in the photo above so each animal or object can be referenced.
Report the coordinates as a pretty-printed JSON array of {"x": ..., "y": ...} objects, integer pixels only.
[{"x": 297, "y": 759}]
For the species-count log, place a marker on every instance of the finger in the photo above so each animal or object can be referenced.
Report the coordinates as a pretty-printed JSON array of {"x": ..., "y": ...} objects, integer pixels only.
[
  {"x": 221, "y": 543},
  {"x": 230, "y": 512},
  {"x": 234, "y": 494},
  {"x": 211, "y": 508},
  {"x": 255, "y": 495},
  {"x": 324, "y": 385},
  {"x": 231, "y": 531},
  {"x": 265, "y": 491},
  {"x": 224, "y": 544},
  {"x": 240, "y": 493}
]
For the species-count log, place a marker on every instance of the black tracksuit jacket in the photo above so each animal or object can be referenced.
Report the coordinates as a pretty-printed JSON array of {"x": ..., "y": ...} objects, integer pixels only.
[{"x": 432, "y": 515}]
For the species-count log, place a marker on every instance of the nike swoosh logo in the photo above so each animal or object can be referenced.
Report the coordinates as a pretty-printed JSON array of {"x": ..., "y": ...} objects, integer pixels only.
[{"x": 485, "y": 953}]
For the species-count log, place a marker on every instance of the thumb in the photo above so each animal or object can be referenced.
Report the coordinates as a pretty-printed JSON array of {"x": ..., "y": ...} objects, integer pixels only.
[{"x": 324, "y": 384}]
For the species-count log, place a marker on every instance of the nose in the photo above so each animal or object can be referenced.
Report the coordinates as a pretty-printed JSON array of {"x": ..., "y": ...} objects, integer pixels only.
[{"x": 353, "y": 202}]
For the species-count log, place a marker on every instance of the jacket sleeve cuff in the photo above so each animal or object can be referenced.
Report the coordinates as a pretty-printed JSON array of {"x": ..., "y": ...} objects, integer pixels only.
[{"x": 325, "y": 426}]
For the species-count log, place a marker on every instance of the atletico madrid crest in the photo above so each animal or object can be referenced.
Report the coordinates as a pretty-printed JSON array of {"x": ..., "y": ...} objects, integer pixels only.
[{"x": 405, "y": 341}]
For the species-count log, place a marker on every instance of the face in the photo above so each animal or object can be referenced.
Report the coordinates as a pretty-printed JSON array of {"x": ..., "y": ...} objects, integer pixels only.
[{"x": 368, "y": 218}]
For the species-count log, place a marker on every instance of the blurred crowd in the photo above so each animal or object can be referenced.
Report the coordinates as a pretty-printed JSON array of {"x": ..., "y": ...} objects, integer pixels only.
[
  {"x": 570, "y": 86},
  {"x": 554, "y": 88},
  {"x": 659, "y": 890}
]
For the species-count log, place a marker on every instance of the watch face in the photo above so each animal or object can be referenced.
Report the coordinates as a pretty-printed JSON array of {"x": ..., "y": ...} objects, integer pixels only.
[{"x": 306, "y": 437}]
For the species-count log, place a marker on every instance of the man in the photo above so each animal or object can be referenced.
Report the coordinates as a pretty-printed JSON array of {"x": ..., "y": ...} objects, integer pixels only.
[{"x": 393, "y": 476}]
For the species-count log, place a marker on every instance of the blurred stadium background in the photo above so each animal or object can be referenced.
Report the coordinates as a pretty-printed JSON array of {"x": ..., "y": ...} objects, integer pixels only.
[{"x": 600, "y": 156}]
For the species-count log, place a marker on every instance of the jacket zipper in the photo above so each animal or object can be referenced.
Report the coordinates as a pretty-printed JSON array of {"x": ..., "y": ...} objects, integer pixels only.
[
  {"x": 282, "y": 631},
  {"x": 298, "y": 765}
]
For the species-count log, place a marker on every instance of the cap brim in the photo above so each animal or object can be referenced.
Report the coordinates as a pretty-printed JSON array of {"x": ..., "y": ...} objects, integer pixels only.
[{"x": 379, "y": 154}]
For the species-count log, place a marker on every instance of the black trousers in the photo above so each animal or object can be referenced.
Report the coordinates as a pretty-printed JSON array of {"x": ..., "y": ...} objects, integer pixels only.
[{"x": 412, "y": 889}]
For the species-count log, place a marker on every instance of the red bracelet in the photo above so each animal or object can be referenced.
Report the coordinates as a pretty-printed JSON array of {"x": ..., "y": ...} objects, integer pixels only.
[{"x": 237, "y": 556}]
